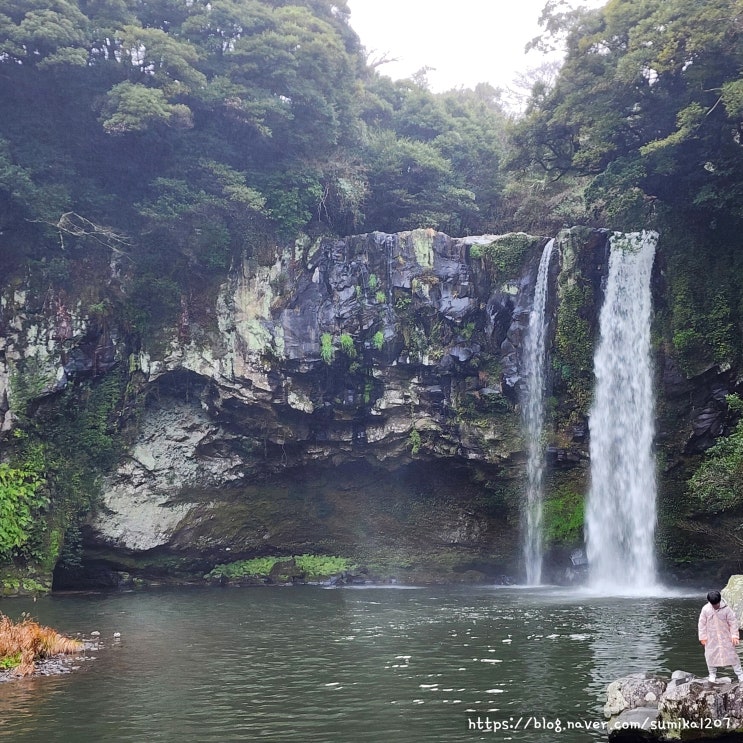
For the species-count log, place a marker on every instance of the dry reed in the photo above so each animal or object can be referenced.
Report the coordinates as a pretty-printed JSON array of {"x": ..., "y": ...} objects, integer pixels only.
[{"x": 25, "y": 642}]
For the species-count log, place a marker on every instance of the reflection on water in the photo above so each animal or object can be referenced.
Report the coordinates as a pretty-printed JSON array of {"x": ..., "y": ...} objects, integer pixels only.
[
  {"x": 644, "y": 641},
  {"x": 306, "y": 664}
]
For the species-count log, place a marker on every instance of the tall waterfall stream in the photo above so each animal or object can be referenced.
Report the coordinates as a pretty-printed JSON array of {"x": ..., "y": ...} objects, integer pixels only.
[
  {"x": 620, "y": 512},
  {"x": 533, "y": 414}
]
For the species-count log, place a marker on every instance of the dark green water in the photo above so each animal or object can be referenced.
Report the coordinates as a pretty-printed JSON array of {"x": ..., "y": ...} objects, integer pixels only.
[{"x": 314, "y": 665}]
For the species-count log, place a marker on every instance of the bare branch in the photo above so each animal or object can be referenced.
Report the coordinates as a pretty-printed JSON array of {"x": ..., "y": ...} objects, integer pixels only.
[
  {"x": 717, "y": 103},
  {"x": 378, "y": 61},
  {"x": 71, "y": 223}
]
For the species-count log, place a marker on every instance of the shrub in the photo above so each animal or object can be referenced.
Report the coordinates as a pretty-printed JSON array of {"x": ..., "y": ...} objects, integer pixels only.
[
  {"x": 717, "y": 482},
  {"x": 415, "y": 442},
  {"x": 563, "y": 517},
  {"x": 322, "y": 566},
  {"x": 506, "y": 253},
  {"x": 258, "y": 566}
]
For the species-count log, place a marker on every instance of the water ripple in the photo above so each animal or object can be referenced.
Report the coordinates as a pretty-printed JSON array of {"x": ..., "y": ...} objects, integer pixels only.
[{"x": 312, "y": 665}]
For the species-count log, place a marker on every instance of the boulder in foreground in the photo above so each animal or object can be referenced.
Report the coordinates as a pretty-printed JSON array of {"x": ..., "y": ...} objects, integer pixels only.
[{"x": 645, "y": 707}]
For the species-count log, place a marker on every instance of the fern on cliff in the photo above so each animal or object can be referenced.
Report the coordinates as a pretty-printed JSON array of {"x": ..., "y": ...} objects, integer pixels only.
[{"x": 21, "y": 498}]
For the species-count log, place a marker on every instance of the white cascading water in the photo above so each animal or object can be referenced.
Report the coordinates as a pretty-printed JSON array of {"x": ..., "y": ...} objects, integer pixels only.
[
  {"x": 620, "y": 513},
  {"x": 533, "y": 369}
]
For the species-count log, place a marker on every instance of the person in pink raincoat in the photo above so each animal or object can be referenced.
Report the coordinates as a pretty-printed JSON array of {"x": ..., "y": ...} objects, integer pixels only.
[{"x": 718, "y": 632}]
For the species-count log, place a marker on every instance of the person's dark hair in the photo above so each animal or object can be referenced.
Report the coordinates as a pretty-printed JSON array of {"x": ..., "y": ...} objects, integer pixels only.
[{"x": 714, "y": 597}]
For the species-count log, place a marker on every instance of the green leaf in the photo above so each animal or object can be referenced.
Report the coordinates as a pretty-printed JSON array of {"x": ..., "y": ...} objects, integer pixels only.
[{"x": 136, "y": 108}]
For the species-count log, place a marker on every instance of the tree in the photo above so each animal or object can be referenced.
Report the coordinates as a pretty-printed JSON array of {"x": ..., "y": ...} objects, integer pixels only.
[
  {"x": 432, "y": 160},
  {"x": 409, "y": 183},
  {"x": 298, "y": 80},
  {"x": 136, "y": 108},
  {"x": 647, "y": 104},
  {"x": 205, "y": 215},
  {"x": 42, "y": 34},
  {"x": 113, "y": 107}
]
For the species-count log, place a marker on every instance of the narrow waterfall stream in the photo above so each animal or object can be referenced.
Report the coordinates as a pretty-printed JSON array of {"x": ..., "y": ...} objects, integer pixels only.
[
  {"x": 620, "y": 513},
  {"x": 533, "y": 414}
]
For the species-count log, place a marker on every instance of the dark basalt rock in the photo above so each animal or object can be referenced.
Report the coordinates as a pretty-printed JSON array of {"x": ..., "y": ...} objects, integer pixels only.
[{"x": 240, "y": 413}]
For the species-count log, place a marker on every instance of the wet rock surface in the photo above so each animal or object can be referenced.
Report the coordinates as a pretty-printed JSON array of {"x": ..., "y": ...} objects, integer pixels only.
[
  {"x": 379, "y": 357},
  {"x": 643, "y": 707}
]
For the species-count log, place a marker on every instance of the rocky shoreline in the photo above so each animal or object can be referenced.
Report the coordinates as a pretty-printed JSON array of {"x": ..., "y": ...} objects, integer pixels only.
[
  {"x": 58, "y": 664},
  {"x": 646, "y": 707}
]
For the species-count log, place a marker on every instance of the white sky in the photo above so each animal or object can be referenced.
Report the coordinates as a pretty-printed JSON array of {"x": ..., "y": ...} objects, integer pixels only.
[{"x": 466, "y": 41}]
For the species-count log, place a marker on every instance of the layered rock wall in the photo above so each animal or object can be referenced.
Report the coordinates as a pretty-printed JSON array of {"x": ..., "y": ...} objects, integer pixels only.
[{"x": 355, "y": 396}]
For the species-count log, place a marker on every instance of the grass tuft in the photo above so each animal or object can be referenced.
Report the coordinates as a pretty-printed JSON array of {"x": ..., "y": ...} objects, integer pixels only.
[{"x": 25, "y": 642}]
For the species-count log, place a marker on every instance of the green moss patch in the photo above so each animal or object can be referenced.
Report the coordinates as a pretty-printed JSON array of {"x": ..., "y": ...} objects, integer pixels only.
[
  {"x": 505, "y": 255},
  {"x": 563, "y": 518},
  {"x": 311, "y": 567}
]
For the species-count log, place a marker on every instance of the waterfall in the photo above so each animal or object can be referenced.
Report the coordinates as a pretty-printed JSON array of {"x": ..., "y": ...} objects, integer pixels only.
[
  {"x": 620, "y": 513},
  {"x": 533, "y": 413}
]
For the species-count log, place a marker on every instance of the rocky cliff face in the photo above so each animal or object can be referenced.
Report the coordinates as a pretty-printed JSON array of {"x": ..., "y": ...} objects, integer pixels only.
[{"x": 358, "y": 396}]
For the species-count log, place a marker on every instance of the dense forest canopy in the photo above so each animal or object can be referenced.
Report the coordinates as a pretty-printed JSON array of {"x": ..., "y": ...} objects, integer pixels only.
[
  {"x": 195, "y": 125},
  {"x": 649, "y": 106},
  {"x": 195, "y": 128}
]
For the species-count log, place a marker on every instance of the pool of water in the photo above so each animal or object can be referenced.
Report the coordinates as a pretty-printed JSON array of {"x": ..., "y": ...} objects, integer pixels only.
[{"x": 370, "y": 664}]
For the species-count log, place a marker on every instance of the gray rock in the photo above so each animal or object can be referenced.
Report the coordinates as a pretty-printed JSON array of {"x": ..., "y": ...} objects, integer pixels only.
[
  {"x": 678, "y": 675},
  {"x": 179, "y": 448},
  {"x": 733, "y": 595},
  {"x": 688, "y": 708},
  {"x": 705, "y": 708},
  {"x": 237, "y": 393},
  {"x": 631, "y": 691},
  {"x": 635, "y": 725}
]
